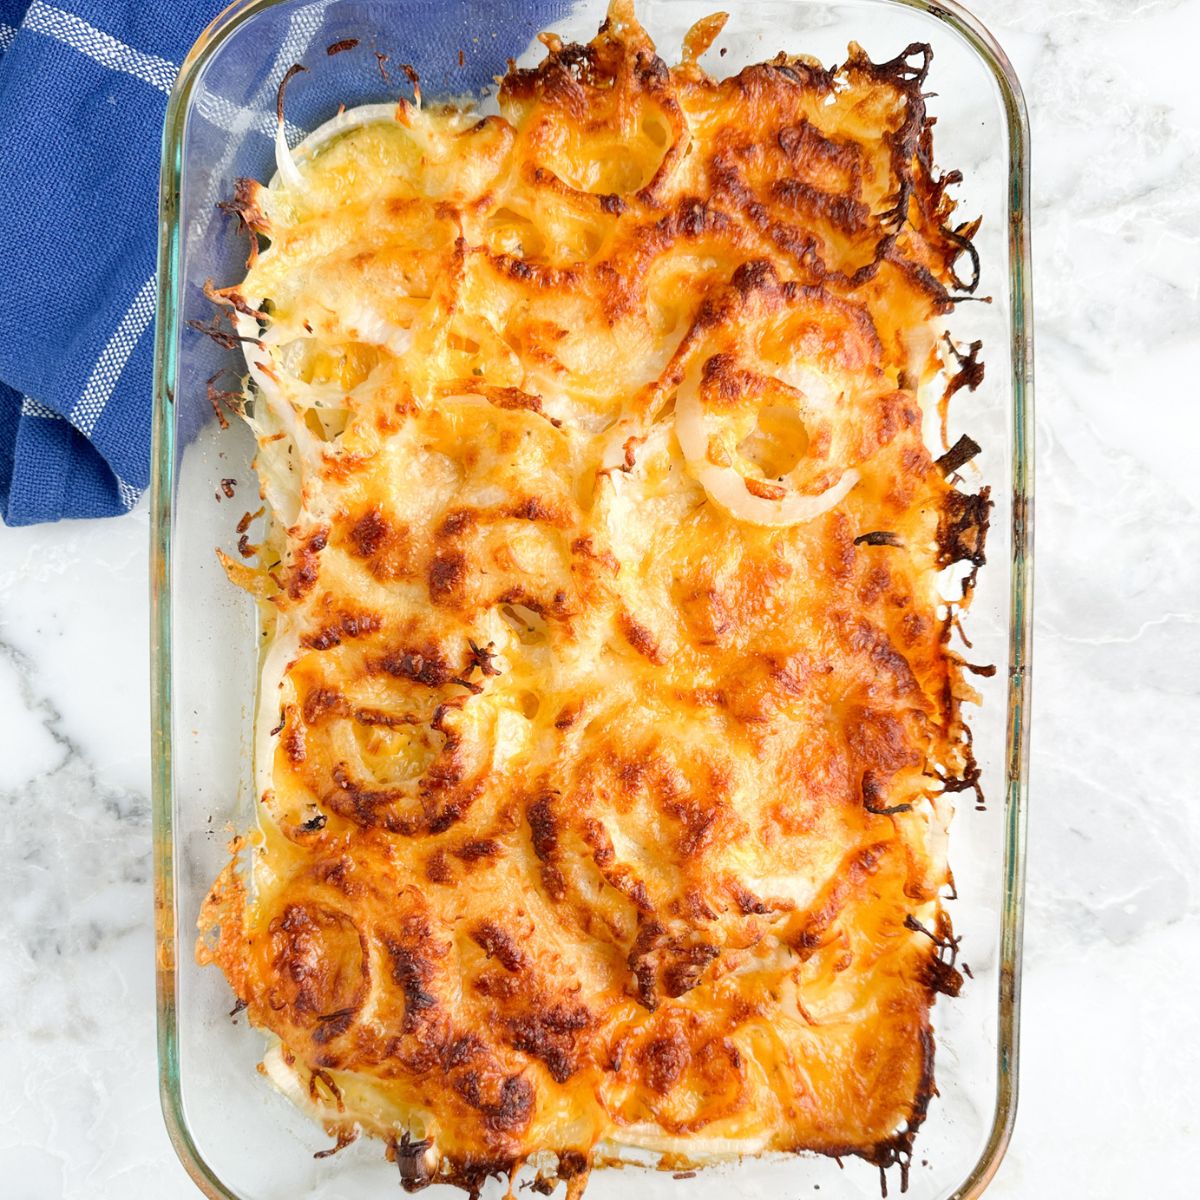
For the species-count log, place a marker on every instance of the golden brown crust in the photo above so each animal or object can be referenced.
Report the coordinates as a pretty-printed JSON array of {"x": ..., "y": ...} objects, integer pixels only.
[{"x": 614, "y": 706}]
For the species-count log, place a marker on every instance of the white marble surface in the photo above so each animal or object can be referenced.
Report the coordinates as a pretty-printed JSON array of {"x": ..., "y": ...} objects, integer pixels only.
[{"x": 1111, "y": 1023}]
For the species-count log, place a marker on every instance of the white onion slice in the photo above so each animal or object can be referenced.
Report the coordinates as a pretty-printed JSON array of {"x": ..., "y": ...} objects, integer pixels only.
[
  {"x": 612, "y": 453},
  {"x": 281, "y": 408},
  {"x": 728, "y": 488},
  {"x": 918, "y": 345},
  {"x": 350, "y": 118},
  {"x": 819, "y": 396},
  {"x": 282, "y": 652},
  {"x": 364, "y": 324},
  {"x": 285, "y": 160},
  {"x": 286, "y": 164},
  {"x": 288, "y": 172},
  {"x": 282, "y": 476}
]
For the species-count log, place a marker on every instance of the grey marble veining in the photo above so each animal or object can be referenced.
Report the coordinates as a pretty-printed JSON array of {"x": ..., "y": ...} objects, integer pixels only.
[
  {"x": 1111, "y": 1025},
  {"x": 80, "y": 1117}
]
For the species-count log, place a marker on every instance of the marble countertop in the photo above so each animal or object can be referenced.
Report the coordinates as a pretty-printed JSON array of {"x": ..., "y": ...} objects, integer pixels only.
[{"x": 1111, "y": 1025}]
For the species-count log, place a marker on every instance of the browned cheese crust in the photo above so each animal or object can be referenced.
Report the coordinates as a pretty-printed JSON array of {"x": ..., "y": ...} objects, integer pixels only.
[{"x": 609, "y": 709}]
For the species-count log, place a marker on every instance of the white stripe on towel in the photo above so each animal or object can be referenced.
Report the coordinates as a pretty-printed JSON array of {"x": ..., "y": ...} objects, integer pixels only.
[
  {"x": 113, "y": 357},
  {"x": 35, "y": 408},
  {"x": 73, "y": 31},
  {"x": 128, "y": 493},
  {"x": 226, "y": 115}
]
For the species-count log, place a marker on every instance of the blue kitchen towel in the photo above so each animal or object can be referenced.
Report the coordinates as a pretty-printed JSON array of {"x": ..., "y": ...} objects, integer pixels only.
[{"x": 83, "y": 91}]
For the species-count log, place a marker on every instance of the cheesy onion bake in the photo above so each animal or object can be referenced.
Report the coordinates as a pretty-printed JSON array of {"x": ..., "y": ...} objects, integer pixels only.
[{"x": 608, "y": 731}]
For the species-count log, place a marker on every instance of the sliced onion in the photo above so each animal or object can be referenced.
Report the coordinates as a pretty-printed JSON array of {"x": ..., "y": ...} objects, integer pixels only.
[
  {"x": 352, "y": 118},
  {"x": 728, "y": 488},
  {"x": 613, "y": 459},
  {"x": 286, "y": 1078},
  {"x": 281, "y": 408},
  {"x": 366, "y": 325},
  {"x": 819, "y": 396},
  {"x": 282, "y": 476},
  {"x": 918, "y": 345},
  {"x": 280, "y": 655},
  {"x": 288, "y": 171}
]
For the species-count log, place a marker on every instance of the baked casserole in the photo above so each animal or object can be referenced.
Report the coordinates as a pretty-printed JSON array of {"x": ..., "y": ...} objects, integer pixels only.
[{"x": 608, "y": 731}]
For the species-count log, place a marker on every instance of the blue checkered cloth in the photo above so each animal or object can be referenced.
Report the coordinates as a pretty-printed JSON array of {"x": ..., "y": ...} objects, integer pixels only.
[{"x": 83, "y": 90}]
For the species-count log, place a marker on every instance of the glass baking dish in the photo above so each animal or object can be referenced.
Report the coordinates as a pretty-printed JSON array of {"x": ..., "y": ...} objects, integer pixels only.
[{"x": 238, "y": 1138}]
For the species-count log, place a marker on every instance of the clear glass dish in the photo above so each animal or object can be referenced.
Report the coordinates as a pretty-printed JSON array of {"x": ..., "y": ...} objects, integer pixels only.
[{"x": 238, "y": 1139}]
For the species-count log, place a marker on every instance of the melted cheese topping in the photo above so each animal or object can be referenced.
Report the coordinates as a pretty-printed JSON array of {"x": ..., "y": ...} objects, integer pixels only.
[{"x": 601, "y": 752}]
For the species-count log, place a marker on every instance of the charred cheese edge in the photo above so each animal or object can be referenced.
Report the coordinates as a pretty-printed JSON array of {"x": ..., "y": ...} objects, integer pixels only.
[{"x": 607, "y": 728}]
